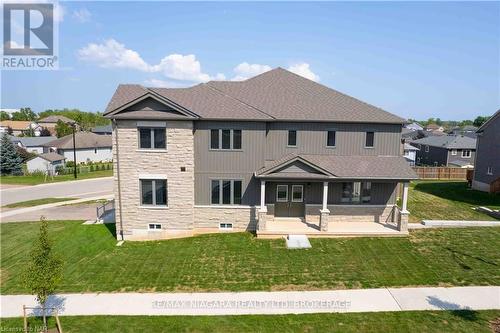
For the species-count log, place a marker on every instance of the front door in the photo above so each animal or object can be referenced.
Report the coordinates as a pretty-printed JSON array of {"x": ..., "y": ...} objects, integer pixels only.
[{"x": 289, "y": 200}]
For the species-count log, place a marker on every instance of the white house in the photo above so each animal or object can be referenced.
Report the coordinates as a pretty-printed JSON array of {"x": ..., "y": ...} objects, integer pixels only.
[
  {"x": 410, "y": 153},
  {"x": 45, "y": 163},
  {"x": 32, "y": 144},
  {"x": 90, "y": 147}
]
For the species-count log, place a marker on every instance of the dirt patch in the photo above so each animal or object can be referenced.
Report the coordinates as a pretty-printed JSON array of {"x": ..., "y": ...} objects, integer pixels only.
[{"x": 495, "y": 325}]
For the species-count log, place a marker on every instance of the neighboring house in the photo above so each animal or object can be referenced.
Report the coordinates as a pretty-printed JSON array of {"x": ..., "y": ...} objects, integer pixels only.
[
  {"x": 409, "y": 134},
  {"x": 414, "y": 126},
  {"x": 90, "y": 147},
  {"x": 33, "y": 144},
  {"x": 434, "y": 127},
  {"x": 244, "y": 155},
  {"x": 45, "y": 163},
  {"x": 467, "y": 130},
  {"x": 447, "y": 150},
  {"x": 487, "y": 166},
  {"x": 20, "y": 127},
  {"x": 50, "y": 122},
  {"x": 410, "y": 153},
  {"x": 103, "y": 130}
]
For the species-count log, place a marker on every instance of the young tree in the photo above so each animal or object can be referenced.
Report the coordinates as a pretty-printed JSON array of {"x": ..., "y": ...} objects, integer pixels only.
[
  {"x": 45, "y": 132},
  {"x": 44, "y": 271},
  {"x": 10, "y": 162},
  {"x": 63, "y": 129},
  {"x": 4, "y": 116}
]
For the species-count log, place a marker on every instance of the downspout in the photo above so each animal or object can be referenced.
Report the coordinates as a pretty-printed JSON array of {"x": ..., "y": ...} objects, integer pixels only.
[{"x": 115, "y": 128}]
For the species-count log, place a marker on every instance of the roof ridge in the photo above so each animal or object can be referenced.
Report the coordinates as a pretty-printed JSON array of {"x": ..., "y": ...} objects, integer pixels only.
[{"x": 237, "y": 99}]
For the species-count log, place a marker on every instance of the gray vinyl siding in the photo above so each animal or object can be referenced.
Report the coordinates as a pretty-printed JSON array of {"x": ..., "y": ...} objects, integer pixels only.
[
  {"x": 229, "y": 164},
  {"x": 488, "y": 153},
  {"x": 350, "y": 139},
  {"x": 383, "y": 193},
  {"x": 458, "y": 156}
]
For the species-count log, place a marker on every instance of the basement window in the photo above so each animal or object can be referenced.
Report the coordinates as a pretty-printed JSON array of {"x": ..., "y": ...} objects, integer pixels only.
[
  {"x": 154, "y": 226},
  {"x": 225, "y": 226}
]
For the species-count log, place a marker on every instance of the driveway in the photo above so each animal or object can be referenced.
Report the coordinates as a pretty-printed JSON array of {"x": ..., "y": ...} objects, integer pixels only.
[{"x": 78, "y": 189}]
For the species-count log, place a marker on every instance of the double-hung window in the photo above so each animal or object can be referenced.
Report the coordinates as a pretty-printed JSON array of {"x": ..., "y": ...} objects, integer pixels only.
[
  {"x": 226, "y": 192},
  {"x": 153, "y": 192},
  {"x": 356, "y": 192},
  {"x": 292, "y": 138},
  {"x": 370, "y": 139},
  {"x": 489, "y": 171},
  {"x": 466, "y": 153},
  {"x": 225, "y": 139},
  {"x": 152, "y": 138},
  {"x": 330, "y": 138}
]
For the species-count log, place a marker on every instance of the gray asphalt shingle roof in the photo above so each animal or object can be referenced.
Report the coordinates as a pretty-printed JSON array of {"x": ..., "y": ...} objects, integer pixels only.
[
  {"x": 351, "y": 167},
  {"x": 34, "y": 141},
  {"x": 83, "y": 140},
  {"x": 448, "y": 141},
  {"x": 55, "y": 119},
  {"x": 51, "y": 157},
  {"x": 275, "y": 95}
]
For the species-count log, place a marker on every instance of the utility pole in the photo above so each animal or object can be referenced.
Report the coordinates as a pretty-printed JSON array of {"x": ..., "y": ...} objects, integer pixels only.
[{"x": 73, "y": 124}]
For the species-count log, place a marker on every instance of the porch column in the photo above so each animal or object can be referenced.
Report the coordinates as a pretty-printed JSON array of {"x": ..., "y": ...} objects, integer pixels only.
[
  {"x": 261, "y": 226},
  {"x": 403, "y": 214},
  {"x": 324, "y": 213}
]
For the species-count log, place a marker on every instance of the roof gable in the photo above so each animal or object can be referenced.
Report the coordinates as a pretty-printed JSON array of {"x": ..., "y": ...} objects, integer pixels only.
[
  {"x": 490, "y": 121},
  {"x": 296, "y": 166}
]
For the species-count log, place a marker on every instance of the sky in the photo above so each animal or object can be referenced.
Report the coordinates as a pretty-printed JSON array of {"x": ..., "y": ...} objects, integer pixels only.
[{"x": 414, "y": 59}]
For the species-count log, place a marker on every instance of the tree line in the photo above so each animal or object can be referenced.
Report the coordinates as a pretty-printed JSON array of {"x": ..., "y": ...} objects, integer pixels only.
[{"x": 477, "y": 122}]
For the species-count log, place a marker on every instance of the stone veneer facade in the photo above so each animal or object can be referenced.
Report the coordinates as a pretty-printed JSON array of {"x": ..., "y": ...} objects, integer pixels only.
[{"x": 132, "y": 163}]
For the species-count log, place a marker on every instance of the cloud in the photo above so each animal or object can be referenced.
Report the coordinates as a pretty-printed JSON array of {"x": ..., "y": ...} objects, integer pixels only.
[
  {"x": 245, "y": 70},
  {"x": 303, "y": 69},
  {"x": 112, "y": 54},
  {"x": 82, "y": 15}
]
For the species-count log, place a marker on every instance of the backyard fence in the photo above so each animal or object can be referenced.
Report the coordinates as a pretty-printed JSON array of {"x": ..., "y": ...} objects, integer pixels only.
[{"x": 442, "y": 173}]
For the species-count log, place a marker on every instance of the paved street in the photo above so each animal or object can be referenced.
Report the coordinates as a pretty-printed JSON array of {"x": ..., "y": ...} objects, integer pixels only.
[
  {"x": 238, "y": 303},
  {"x": 77, "y": 189}
]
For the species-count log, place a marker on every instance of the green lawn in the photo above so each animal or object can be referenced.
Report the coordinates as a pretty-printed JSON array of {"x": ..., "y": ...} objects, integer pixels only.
[
  {"x": 384, "y": 322},
  {"x": 38, "y": 179},
  {"x": 448, "y": 200},
  {"x": 239, "y": 261},
  {"x": 37, "y": 202}
]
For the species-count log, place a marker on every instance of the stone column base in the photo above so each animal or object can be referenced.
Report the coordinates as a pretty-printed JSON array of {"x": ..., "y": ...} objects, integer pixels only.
[
  {"x": 403, "y": 220},
  {"x": 262, "y": 215},
  {"x": 323, "y": 219}
]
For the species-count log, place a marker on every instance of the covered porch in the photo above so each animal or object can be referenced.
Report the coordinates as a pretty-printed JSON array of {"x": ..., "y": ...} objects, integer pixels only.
[{"x": 302, "y": 196}]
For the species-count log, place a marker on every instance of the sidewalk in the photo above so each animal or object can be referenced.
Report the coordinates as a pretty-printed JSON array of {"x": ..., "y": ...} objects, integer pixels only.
[{"x": 228, "y": 303}]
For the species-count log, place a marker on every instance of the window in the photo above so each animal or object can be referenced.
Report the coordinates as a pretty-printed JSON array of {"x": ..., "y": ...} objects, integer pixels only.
[
  {"x": 330, "y": 139},
  {"x": 225, "y": 139},
  {"x": 426, "y": 149},
  {"x": 297, "y": 193},
  {"x": 356, "y": 192},
  {"x": 152, "y": 138},
  {"x": 282, "y": 193},
  {"x": 292, "y": 138},
  {"x": 453, "y": 152},
  {"x": 370, "y": 139},
  {"x": 153, "y": 226},
  {"x": 466, "y": 153},
  {"x": 225, "y": 226},
  {"x": 490, "y": 171},
  {"x": 153, "y": 192},
  {"x": 226, "y": 192}
]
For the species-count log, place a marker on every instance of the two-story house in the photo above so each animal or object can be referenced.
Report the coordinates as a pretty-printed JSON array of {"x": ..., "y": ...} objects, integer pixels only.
[
  {"x": 448, "y": 150},
  {"x": 246, "y": 155},
  {"x": 487, "y": 166}
]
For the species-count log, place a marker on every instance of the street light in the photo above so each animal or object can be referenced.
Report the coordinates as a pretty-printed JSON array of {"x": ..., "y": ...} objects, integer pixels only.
[{"x": 73, "y": 125}]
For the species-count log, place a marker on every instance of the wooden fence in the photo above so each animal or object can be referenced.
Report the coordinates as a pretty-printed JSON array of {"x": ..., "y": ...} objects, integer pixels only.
[{"x": 442, "y": 173}]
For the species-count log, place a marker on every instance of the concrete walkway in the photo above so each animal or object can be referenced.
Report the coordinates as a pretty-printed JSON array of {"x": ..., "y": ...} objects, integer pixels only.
[
  {"x": 227, "y": 303},
  {"x": 64, "y": 210},
  {"x": 426, "y": 224}
]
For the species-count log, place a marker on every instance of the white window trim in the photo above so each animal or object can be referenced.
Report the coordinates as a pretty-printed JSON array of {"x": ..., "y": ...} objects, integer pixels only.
[
  {"x": 154, "y": 229},
  {"x": 468, "y": 150},
  {"x": 427, "y": 148},
  {"x": 366, "y": 136},
  {"x": 277, "y": 191},
  {"x": 489, "y": 171},
  {"x": 226, "y": 228},
  {"x": 453, "y": 152},
  {"x": 301, "y": 193},
  {"x": 288, "y": 137},
  {"x": 231, "y": 140},
  {"x": 331, "y": 130}
]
